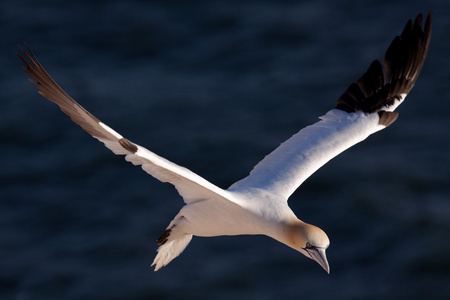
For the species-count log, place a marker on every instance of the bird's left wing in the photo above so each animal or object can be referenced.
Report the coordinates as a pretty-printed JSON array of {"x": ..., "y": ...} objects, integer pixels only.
[
  {"x": 365, "y": 108},
  {"x": 191, "y": 186}
]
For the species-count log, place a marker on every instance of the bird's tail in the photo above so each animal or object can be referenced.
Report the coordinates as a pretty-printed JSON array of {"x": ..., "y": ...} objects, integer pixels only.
[{"x": 172, "y": 243}]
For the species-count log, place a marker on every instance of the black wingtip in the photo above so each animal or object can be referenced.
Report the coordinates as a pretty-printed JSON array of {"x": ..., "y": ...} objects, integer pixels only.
[{"x": 385, "y": 82}]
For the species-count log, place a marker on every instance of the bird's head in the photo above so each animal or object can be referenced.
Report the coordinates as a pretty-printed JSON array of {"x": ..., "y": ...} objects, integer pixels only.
[{"x": 312, "y": 242}]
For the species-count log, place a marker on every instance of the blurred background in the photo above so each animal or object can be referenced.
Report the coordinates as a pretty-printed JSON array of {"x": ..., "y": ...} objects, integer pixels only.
[{"x": 214, "y": 86}]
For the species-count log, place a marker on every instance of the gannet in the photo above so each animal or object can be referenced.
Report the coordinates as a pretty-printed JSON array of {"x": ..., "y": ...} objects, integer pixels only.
[{"x": 257, "y": 204}]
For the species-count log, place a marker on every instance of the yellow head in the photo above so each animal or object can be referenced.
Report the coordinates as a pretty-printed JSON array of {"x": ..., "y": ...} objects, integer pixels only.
[{"x": 310, "y": 240}]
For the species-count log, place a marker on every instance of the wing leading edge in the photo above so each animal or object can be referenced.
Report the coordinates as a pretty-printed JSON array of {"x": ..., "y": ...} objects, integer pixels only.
[
  {"x": 190, "y": 186},
  {"x": 365, "y": 108}
]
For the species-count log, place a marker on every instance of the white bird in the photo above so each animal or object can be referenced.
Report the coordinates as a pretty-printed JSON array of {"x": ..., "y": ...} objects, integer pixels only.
[{"x": 258, "y": 204}]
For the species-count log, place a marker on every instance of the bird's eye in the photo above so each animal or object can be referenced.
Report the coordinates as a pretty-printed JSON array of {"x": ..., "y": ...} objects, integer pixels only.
[{"x": 309, "y": 246}]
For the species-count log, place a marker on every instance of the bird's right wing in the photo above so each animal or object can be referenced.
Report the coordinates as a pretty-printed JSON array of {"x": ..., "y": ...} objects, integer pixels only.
[
  {"x": 365, "y": 108},
  {"x": 191, "y": 186}
]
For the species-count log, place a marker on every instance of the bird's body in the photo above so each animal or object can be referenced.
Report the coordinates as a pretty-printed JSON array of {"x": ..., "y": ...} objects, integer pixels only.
[{"x": 257, "y": 204}]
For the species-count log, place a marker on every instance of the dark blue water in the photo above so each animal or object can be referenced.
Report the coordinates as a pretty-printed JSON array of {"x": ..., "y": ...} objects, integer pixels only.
[{"x": 214, "y": 86}]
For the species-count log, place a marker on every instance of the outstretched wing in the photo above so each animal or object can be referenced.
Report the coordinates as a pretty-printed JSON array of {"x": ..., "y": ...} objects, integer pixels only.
[
  {"x": 190, "y": 186},
  {"x": 365, "y": 107}
]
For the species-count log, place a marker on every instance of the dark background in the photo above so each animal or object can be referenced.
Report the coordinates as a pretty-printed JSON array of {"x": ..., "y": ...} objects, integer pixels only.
[{"x": 215, "y": 86}]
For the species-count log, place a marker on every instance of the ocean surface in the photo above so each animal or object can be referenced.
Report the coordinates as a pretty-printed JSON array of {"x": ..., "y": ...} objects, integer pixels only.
[{"x": 214, "y": 86}]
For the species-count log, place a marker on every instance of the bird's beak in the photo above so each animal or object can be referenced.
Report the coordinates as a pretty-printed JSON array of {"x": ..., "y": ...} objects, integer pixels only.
[{"x": 318, "y": 254}]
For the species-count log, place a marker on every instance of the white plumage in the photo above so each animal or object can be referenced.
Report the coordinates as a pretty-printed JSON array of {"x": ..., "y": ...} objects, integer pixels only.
[{"x": 257, "y": 204}]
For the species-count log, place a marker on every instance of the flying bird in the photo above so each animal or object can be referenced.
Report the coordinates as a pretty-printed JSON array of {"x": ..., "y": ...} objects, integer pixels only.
[{"x": 257, "y": 204}]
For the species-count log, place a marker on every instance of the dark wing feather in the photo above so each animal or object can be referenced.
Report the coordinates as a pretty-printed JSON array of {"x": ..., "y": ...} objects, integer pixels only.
[{"x": 385, "y": 82}]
